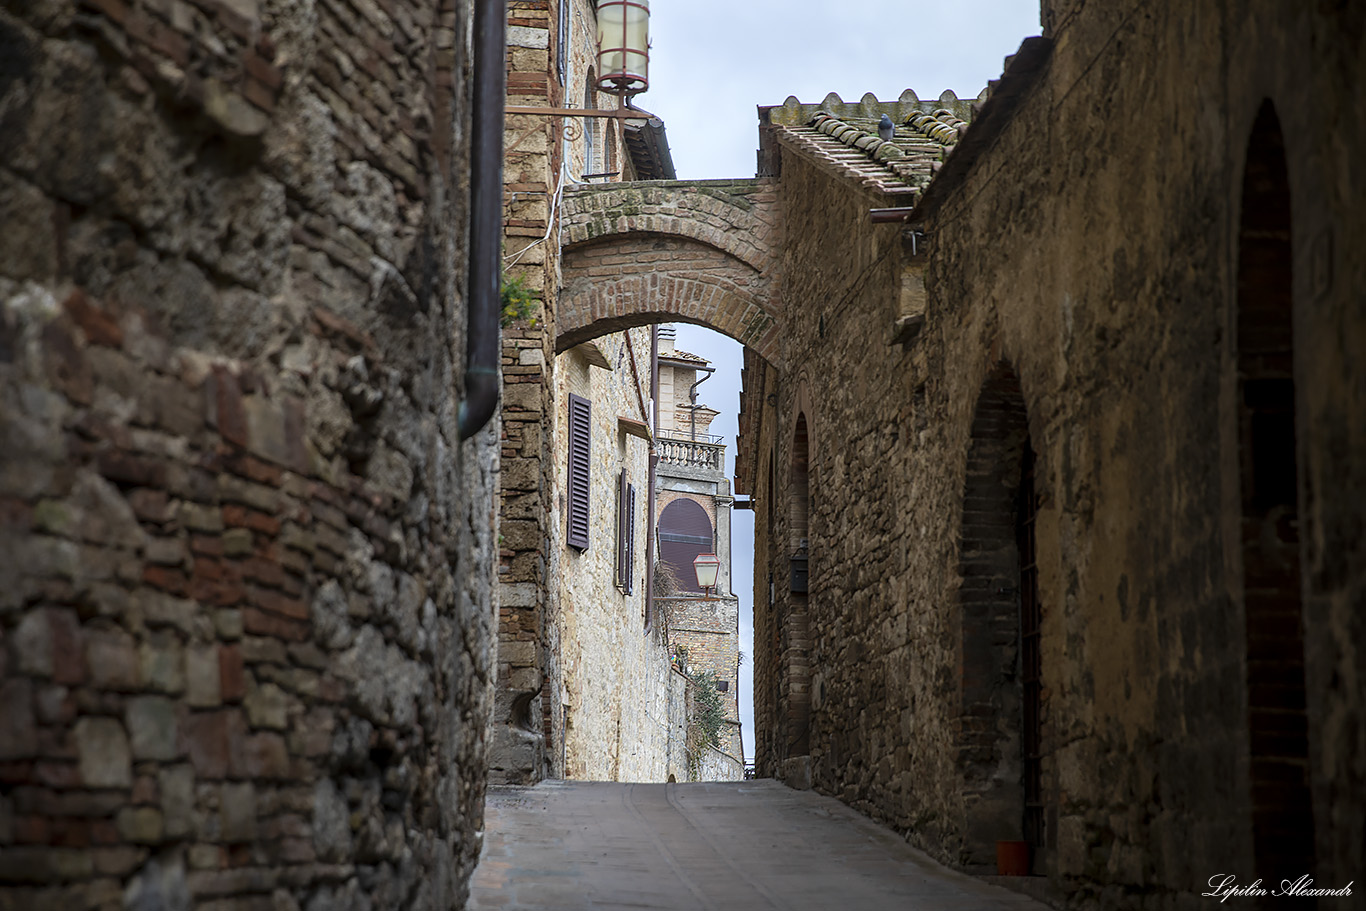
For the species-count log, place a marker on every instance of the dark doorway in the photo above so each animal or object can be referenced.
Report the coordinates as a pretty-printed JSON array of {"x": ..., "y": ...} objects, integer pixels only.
[
  {"x": 1031, "y": 657},
  {"x": 796, "y": 633},
  {"x": 1278, "y": 729},
  {"x": 1000, "y": 723}
]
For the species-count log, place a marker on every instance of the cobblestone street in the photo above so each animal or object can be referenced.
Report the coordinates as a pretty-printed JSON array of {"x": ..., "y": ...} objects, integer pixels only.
[{"x": 734, "y": 845}]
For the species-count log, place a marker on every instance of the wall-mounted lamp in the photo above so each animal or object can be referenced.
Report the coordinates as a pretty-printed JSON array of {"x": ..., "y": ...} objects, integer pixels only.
[
  {"x": 706, "y": 566},
  {"x": 623, "y": 46}
]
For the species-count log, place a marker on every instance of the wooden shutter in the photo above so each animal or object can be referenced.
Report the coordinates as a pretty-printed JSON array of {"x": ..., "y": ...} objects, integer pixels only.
[
  {"x": 580, "y": 456},
  {"x": 630, "y": 537},
  {"x": 626, "y": 533}
]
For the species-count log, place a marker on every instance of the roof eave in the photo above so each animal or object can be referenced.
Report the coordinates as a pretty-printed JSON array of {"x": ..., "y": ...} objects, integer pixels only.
[{"x": 1021, "y": 74}]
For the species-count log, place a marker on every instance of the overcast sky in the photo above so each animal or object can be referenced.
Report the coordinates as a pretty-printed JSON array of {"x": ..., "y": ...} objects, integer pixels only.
[{"x": 714, "y": 61}]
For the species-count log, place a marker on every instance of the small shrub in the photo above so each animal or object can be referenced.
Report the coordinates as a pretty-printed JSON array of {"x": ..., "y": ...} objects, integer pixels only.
[{"x": 519, "y": 301}]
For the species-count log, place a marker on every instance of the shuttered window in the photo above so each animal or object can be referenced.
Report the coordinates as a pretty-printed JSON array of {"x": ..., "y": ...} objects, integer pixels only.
[
  {"x": 684, "y": 532},
  {"x": 626, "y": 533},
  {"x": 580, "y": 460}
]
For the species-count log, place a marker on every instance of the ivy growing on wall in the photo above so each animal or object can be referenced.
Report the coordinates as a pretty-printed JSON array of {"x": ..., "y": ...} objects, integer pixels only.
[{"x": 706, "y": 715}]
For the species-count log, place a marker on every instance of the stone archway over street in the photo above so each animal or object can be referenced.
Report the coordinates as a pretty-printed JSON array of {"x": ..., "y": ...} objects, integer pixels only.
[{"x": 660, "y": 251}]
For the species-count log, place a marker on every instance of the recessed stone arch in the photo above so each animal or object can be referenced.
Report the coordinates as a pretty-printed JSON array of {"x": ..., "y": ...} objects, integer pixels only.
[
  {"x": 1278, "y": 722},
  {"x": 998, "y": 730}
]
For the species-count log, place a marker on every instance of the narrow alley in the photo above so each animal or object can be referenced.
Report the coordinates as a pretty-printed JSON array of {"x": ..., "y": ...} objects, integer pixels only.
[{"x": 726, "y": 845}]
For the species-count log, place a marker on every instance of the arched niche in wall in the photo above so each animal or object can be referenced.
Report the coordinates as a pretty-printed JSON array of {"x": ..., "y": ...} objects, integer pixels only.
[
  {"x": 1278, "y": 727},
  {"x": 797, "y": 645},
  {"x": 685, "y": 530},
  {"x": 999, "y": 739}
]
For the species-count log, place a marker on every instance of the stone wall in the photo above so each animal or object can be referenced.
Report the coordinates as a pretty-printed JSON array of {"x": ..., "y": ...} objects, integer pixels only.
[
  {"x": 1083, "y": 304},
  {"x": 526, "y": 735},
  {"x": 615, "y": 669},
  {"x": 710, "y": 632},
  {"x": 245, "y": 621},
  {"x": 719, "y": 765},
  {"x": 540, "y": 163}
]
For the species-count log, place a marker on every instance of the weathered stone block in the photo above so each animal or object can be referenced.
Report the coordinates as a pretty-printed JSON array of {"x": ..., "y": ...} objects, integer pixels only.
[
  {"x": 213, "y": 741},
  {"x": 113, "y": 660},
  {"x": 331, "y": 822},
  {"x": 141, "y": 825},
  {"x": 238, "y": 542},
  {"x": 266, "y": 757},
  {"x": 176, "y": 784},
  {"x": 18, "y": 732},
  {"x": 232, "y": 685},
  {"x": 267, "y": 706},
  {"x": 102, "y": 746},
  {"x": 203, "y": 677},
  {"x": 237, "y": 812},
  {"x": 152, "y": 728},
  {"x": 161, "y": 663}
]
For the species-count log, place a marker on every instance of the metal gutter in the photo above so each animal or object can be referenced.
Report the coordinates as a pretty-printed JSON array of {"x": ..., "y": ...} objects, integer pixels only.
[{"x": 483, "y": 342}]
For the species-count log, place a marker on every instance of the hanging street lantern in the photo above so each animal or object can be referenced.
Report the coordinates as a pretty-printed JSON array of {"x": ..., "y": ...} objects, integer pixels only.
[
  {"x": 706, "y": 566},
  {"x": 623, "y": 46}
]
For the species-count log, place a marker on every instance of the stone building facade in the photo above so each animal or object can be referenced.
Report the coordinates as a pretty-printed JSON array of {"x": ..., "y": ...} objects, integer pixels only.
[
  {"x": 692, "y": 515},
  {"x": 1059, "y": 495},
  {"x": 246, "y": 606},
  {"x": 566, "y": 624},
  {"x": 616, "y": 669}
]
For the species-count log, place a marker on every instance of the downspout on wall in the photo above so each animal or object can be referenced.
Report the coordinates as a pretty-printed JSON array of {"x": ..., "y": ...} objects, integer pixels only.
[
  {"x": 692, "y": 400},
  {"x": 483, "y": 344},
  {"x": 650, "y": 496}
]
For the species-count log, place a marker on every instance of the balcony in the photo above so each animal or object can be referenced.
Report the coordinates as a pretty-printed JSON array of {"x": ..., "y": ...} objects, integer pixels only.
[{"x": 707, "y": 452}]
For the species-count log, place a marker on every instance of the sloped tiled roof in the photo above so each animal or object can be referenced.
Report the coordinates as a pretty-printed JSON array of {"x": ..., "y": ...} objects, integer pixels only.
[
  {"x": 648, "y": 147},
  {"x": 843, "y": 136}
]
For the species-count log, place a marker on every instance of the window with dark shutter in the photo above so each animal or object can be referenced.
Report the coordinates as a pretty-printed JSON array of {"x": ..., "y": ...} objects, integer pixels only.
[
  {"x": 626, "y": 533},
  {"x": 562, "y": 46},
  {"x": 684, "y": 532},
  {"x": 580, "y": 455}
]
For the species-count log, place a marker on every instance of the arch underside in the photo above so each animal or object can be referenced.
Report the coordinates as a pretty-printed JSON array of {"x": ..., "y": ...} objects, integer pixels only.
[{"x": 642, "y": 279}]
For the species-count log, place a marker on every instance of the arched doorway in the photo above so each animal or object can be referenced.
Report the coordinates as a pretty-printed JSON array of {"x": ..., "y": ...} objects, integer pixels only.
[
  {"x": 999, "y": 725},
  {"x": 796, "y": 643},
  {"x": 1278, "y": 728}
]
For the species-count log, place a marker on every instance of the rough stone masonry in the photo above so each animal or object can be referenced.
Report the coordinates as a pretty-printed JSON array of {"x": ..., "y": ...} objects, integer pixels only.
[{"x": 245, "y": 606}]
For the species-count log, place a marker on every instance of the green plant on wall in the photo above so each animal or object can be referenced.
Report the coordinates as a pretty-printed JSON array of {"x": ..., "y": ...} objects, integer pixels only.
[
  {"x": 519, "y": 301},
  {"x": 704, "y": 720}
]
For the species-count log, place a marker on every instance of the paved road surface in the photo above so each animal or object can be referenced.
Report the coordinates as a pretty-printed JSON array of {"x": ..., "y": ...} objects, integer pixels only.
[{"x": 744, "y": 845}]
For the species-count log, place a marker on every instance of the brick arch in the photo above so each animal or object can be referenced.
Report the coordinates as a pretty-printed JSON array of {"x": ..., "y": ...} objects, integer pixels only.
[
  {"x": 644, "y": 252},
  {"x": 637, "y": 280},
  {"x": 733, "y": 216}
]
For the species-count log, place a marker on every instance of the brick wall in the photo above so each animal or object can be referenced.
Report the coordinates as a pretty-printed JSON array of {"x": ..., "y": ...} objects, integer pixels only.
[{"x": 245, "y": 618}]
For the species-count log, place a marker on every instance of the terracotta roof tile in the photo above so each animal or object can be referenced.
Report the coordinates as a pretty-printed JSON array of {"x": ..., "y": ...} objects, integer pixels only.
[{"x": 844, "y": 136}]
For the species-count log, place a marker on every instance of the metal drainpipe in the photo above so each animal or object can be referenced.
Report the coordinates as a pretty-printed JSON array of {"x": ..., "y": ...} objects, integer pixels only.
[
  {"x": 692, "y": 401},
  {"x": 650, "y": 495},
  {"x": 483, "y": 344}
]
